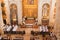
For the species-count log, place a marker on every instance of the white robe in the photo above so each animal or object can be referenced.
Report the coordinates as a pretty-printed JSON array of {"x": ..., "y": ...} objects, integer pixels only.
[
  {"x": 9, "y": 27},
  {"x": 40, "y": 28},
  {"x": 43, "y": 28},
  {"x": 15, "y": 28},
  {"x": 46, "y": 29}
]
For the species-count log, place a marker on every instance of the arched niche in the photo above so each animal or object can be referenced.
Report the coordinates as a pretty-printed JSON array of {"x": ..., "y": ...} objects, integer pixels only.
[
  {"x": 45, "y": 10},
  {"x": 45, "y": 13},
  {"x": 13, "y": 14}
]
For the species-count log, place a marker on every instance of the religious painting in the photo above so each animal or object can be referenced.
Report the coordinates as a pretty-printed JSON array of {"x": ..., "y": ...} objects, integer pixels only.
[{"x": 30, "y": 2}]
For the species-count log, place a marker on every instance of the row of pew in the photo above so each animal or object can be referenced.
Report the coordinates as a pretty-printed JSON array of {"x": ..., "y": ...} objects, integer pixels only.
[
  {"x": 36, "y": 33},
  {"x": 14, "y": 32},
  {"x": 33, "y": 33},
  {"x": 21, "y": 38},
  {"x": 23, "y": 32}
]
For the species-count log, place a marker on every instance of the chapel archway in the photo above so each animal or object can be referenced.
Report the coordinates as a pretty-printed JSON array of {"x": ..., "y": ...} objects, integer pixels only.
[
  {"x": 13, "y": 14},
  {"x": 45, "y": 13}
]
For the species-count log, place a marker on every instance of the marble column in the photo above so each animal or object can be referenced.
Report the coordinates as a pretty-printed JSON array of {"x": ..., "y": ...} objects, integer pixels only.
[
  {"x": 39, "y": 12},
  {"x": 19, "y": 6},
  {"x": 7, "y": 11},
  {"x": 51, "y": 14},
  {"x": 57, "y": 22},
  {"x": 1, "y": 19}
]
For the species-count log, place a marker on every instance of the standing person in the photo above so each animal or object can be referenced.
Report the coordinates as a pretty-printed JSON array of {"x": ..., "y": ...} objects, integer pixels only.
[
  {"x": 44, "y": 28},
  {"x": 12, "y": 26},
  {"x": 15, "y": 27},
  {"x": 9, "y": 27}
]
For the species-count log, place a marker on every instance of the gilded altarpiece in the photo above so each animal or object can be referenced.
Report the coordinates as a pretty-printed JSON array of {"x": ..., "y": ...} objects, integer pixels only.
[{"x": 30, "y": 8}]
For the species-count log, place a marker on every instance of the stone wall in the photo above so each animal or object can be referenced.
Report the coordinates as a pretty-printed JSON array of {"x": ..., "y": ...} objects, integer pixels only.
[{"x": 57, "y": 21}]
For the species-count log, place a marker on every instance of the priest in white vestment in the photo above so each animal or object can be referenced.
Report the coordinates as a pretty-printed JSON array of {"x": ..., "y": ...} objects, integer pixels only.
[
  {"x": 15, "y": 28},
  {"x": 9, "y": 27},
  {"x": 44, "y": 28}
]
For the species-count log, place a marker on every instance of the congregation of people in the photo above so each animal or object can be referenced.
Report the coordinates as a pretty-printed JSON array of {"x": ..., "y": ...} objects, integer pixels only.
[
  {"x": 42, "y": 28},
  {"x": 9, "y": 27}
]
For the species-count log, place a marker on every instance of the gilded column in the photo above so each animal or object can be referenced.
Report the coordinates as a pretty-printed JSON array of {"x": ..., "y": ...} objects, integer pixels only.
[
  {"x": 19, "y": 7},
  {"x": 39, "y": 12},
  {"x": 51, "y": 15}
]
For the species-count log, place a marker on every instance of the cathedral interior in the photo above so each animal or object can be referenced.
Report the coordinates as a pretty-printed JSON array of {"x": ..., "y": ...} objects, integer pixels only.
[{"x": 29, "y": 20}]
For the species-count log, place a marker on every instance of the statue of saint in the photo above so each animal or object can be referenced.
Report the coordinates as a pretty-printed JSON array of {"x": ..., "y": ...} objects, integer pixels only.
[{"x": 45, "y": 11}]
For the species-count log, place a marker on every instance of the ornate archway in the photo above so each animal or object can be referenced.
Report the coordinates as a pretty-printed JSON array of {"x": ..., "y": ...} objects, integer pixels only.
[
  {"x": 13, "y": 14},
  {"x": 45, "y": 13}
]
